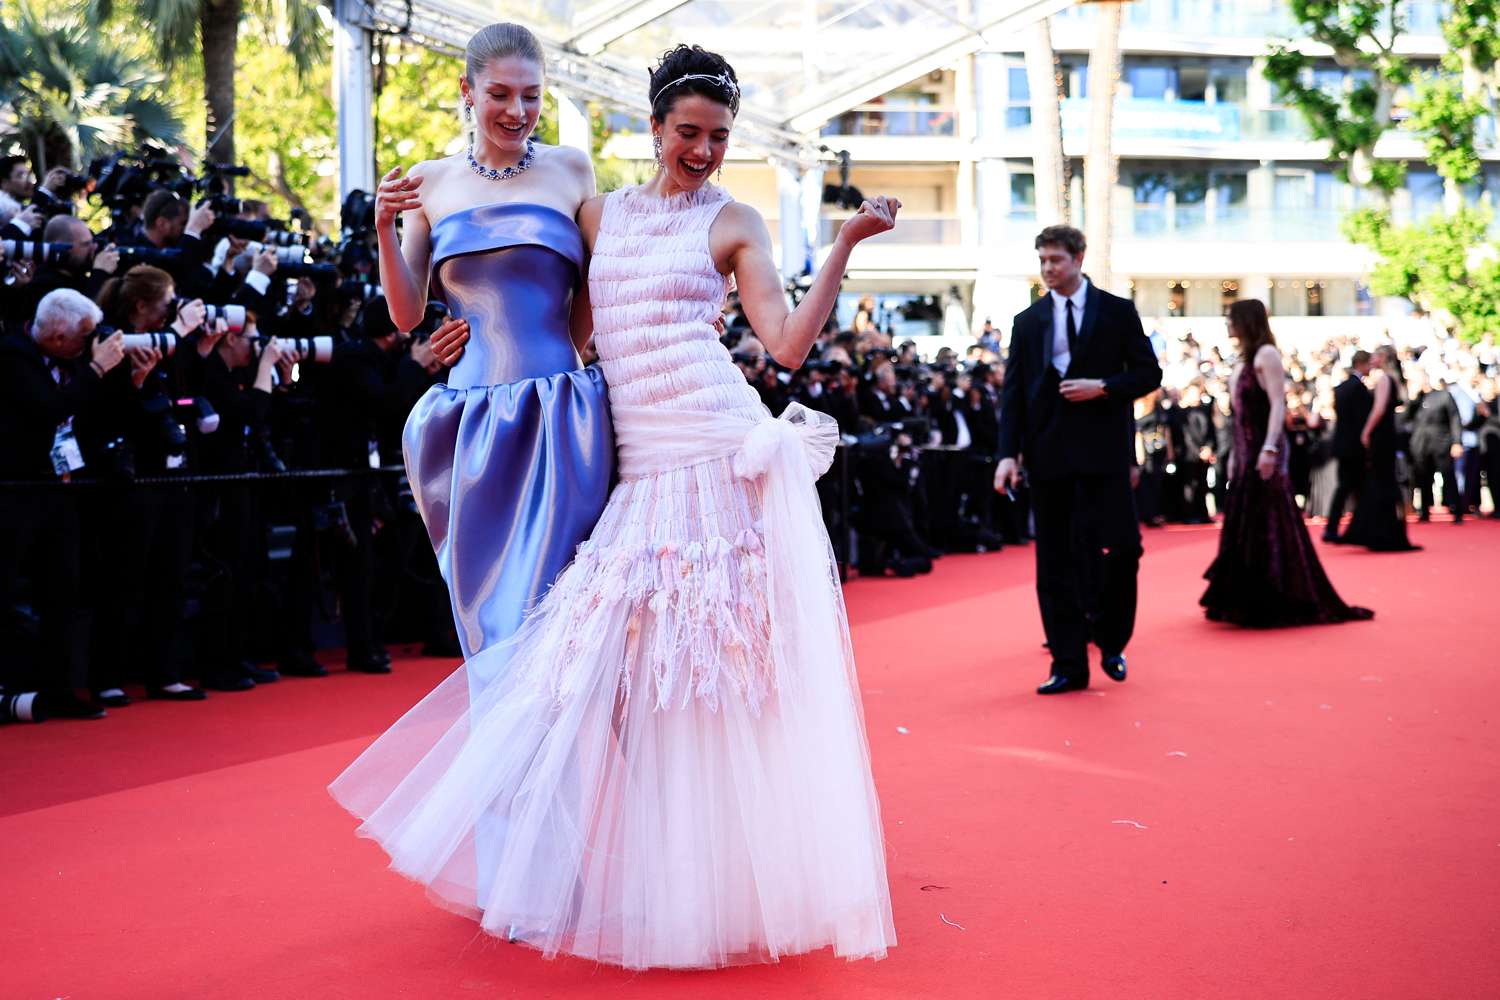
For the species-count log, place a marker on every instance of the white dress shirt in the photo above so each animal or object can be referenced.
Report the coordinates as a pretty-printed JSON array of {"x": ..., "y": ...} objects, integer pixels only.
[{"x": 1062, "y": 355}]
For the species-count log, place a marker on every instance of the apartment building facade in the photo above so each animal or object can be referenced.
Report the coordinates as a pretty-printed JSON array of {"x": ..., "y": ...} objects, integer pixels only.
[{"x": 1220, "y": 194}]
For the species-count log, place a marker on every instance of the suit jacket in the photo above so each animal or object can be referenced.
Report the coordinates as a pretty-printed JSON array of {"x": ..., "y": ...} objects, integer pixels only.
[
  {"x": 33, "y": 405},
  {"x": 1057, "y": 438},
  {"x": 1435, "y": 423},
  {"x": 1351, "y": 408}
]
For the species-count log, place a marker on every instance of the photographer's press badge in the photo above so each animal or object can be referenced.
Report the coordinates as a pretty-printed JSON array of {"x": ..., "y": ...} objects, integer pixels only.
[{"x": 67, "y": 457}]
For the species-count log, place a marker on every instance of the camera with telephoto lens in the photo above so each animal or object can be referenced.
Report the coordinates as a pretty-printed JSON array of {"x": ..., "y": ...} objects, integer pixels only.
[
  {"x": 233, "y": 316},
  {"x": 165, "y": 342},
  {"x": 301, "y": 350},
  {"x": 163, "y": 257},
  {"x": 36, "y": 250}
]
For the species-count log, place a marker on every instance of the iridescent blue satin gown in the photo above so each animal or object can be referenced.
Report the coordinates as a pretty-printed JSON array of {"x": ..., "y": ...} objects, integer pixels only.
[{"x": 511, "y": 460}]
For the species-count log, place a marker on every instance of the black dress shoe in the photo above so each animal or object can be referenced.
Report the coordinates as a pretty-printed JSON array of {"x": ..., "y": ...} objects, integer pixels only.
[
  {"x": 49, "y": 705},
  {"x": 260, "y": 675},
  {"x": 301, "y": 664},
  {"x": 228, "y": 682},
  {"x": 369, "y": 664},
  {"x": 1057, "y": 684},
  {"x": 115, "y": 699},
  {"x": 191, "y": 694},
  {"x": 1114, "y": 667}
]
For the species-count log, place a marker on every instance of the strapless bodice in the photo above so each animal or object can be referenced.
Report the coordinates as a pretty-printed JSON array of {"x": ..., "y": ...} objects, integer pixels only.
[{"x": 510, "y": 269}]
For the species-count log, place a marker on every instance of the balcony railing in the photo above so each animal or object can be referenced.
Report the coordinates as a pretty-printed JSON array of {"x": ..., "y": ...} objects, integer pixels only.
[
  {"x": 913, "y": 121},
  {"x": 1186, "y": 121},
  {"x": 1244, "y": 18},
  {"x": 919, "y": 230}
]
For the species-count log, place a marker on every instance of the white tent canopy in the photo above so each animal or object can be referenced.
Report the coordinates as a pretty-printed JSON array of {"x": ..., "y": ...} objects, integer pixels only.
[{"x": 800, "y": 62}]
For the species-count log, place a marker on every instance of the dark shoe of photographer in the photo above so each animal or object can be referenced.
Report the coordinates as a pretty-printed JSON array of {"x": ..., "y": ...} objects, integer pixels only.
[
  {"x": 177, "y": 692},
  {"x": 370, "y": 663},
  {"x": 226, "y": 679},
  {"x": 112, "y": 698},
  {"x": 301, "y": 664},
  {"x": 64, "y": 705}
]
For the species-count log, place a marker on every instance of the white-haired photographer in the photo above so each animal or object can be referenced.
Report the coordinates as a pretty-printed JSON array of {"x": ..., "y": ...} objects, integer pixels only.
[{"x": 48, "y": 377}]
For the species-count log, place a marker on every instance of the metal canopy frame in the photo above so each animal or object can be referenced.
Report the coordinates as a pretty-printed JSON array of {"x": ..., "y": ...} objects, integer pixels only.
[{"x": 595, "y": 52}]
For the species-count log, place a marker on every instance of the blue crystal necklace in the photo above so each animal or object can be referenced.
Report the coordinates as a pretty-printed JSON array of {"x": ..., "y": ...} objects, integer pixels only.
[{"x": 490, "y": 173}]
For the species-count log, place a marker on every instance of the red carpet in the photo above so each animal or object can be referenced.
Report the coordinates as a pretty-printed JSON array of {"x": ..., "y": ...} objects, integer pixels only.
[{"x": 1307, "y": 814}]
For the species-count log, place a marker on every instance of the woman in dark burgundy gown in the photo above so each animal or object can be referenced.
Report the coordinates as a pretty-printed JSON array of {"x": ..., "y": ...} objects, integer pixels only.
[
  {"x": 1379, "y": 521},
  {"x": 1267, "y": 573}
]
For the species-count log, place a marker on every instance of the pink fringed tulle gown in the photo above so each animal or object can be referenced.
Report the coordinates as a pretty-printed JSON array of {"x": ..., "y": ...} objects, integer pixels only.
[{"x": 670, "y": 768}]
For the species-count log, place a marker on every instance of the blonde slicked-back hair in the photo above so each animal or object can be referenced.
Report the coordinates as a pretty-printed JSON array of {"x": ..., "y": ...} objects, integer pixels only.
[{"x": 501, "y": 41}]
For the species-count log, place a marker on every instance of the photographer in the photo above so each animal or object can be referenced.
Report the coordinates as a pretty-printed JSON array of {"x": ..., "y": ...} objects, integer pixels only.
[
  {"x": 18, "y": 182},
  {"x": 48, "y": 379},
  {"x": 84, "y": 268},
  {"x": 359, "y": 398},
  {"x": 58, "y": 193},
  {"x": 888, "y": 538},
  {"x": 146, "y": 530},
  {"x": 172, "y": 236},
  {"x": 238, "y": 379}
]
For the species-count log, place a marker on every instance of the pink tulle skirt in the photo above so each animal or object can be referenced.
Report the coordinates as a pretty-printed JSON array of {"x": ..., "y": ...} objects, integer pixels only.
[{"x": 670, "y": 768}]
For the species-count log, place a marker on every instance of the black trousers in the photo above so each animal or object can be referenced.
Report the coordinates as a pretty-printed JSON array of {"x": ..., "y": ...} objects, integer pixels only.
[
  {"x": 1351, "y": 482},
  {"x": 1425, "y": 465},
  {"x": 1088, "y": 554},
  {"x": 40, "y": 540},
  {"x": 145, "y": 551}
]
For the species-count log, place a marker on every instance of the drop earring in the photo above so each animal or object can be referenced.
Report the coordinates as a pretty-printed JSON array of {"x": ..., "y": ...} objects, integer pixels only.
[
  {"x": 468, "y": 112},
  {"x": 656, "y": 145}
]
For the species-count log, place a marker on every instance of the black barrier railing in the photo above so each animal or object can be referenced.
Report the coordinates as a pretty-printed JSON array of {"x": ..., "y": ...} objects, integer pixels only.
[{"x": 196, "y": 480}]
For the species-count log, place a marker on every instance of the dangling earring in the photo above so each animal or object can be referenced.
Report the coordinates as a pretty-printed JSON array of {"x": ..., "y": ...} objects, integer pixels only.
[
  {"x": 468, "y": 112},
  {"x": 719, "y": 174},
  {"x": 656, "y": 145}
]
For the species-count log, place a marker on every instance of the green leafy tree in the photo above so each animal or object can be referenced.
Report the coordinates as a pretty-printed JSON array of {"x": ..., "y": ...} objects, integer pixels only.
[
  {"x": 206, "y": 33},
  {"x": 71, "y": 94},
  {"x": 1363, "y": 35}
]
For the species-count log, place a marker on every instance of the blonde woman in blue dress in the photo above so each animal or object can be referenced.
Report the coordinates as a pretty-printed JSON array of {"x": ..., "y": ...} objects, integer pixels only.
[{"x": 672, "y": 752}]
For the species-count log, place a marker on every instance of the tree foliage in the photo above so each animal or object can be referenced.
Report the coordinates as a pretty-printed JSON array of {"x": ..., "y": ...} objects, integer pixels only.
[
  {"x": 71, "y": 94},
  {"x": 1362, "y": 34}
]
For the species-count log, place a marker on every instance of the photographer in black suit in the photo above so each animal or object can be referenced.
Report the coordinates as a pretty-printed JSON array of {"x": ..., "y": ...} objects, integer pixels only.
[
  {"x": 48, "y": 378},
  {"x": 1436, "y": 442},
  {"x": 1078, "y": 358},
  {"x": 1351, "y": 408}
]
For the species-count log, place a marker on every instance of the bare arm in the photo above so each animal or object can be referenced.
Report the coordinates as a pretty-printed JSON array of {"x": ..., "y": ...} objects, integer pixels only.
[
  {"x": 581, "y": 323},
  {"x": 1273, "y": 379},
  {"x": 403, "y": 267},
  {"x": 788, "y": 334}
]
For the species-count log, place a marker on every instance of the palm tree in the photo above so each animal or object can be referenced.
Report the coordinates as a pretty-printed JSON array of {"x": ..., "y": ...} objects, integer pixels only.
[
  {"x": 1046, "y": 127},
  {"x": 68, "y": 93},
  {"x": 1100, "y": 168},
  {"x": 180, "y": 27}
]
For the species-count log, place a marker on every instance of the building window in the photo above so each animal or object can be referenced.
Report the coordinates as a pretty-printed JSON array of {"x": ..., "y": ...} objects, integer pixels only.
[
  {"x": 1151, "y": 189},
  {"x": 1023, "y": 194},
  {"x": 1151, "y": 83},
  {"x": 1018, "y": 98},
  {"x": 1426, "y": 189},
  {"x": 1176, "y": 299},
  {"x": 1192, "y": 83},
  {"x": 1230, "y": 82}
]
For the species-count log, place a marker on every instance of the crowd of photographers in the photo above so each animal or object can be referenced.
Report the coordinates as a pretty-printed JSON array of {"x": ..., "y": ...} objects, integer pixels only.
[{"x": 186, "y": 386}]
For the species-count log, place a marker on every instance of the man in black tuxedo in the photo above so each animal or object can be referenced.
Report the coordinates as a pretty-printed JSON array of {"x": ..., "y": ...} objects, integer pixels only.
[
  {"x": 1078, "y": 358},
  {"x": 1351, "y": 408},
  {"x": 1436, "y": 441}
]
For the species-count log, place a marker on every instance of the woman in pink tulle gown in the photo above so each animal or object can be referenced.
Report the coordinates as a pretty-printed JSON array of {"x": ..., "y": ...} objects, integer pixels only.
[{"x": 670, "y": 769}]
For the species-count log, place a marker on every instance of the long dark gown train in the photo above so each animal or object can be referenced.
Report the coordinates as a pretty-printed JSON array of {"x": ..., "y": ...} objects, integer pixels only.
[
  {"x": 1379, "y": 520},
  {"x": 1267, "y": 573}
]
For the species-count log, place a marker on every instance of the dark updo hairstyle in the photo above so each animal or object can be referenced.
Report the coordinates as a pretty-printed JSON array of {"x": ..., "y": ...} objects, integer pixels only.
[{"x": 692, "y": 60}]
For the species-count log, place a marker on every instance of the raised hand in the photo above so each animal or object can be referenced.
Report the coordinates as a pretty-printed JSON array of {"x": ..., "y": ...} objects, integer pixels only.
[
  {"x": 396, "y": 194},
  {"x": 873, "y": 218},
  {"x": 449, "y": 339}
]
